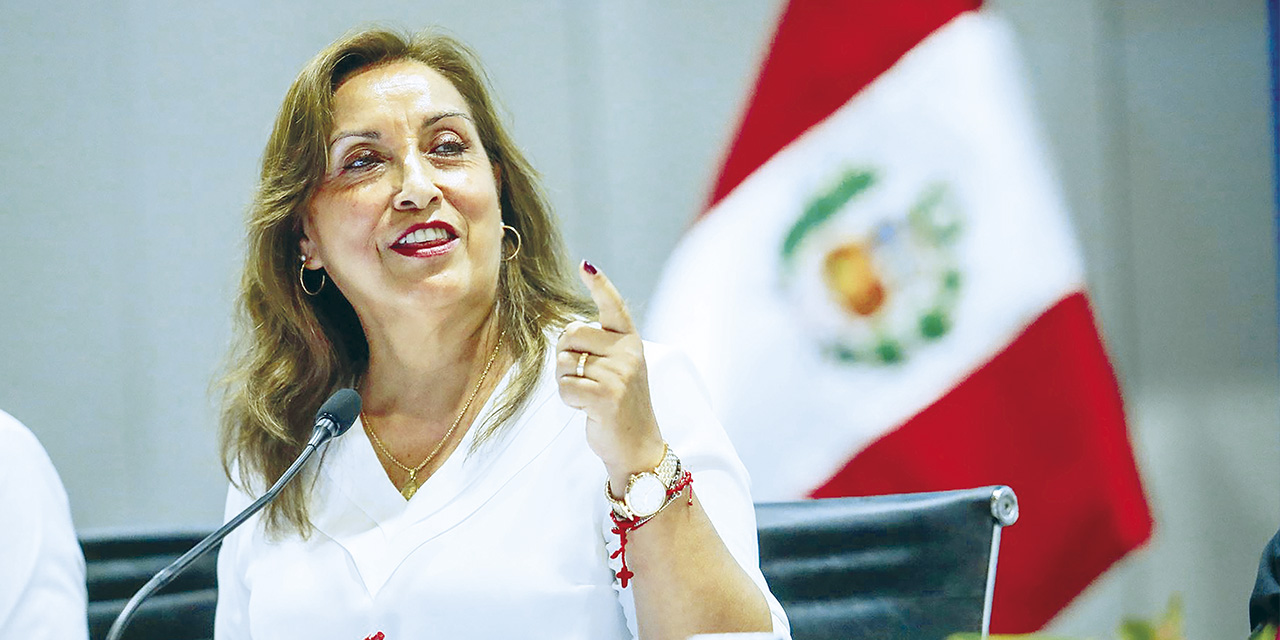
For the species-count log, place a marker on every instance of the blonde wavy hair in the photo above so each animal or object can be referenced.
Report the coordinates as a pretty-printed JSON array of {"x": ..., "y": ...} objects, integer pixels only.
[{"x": 293, "y": 350}]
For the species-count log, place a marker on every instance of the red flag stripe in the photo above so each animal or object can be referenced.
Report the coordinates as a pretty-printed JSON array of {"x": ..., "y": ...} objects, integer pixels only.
[
  {"x": 822, "y": 54},
  {"x": 1044, "y": 417}
]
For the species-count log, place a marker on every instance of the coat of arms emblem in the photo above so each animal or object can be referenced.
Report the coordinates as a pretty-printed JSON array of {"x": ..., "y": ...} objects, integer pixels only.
[{"x": 872, "y": 267}]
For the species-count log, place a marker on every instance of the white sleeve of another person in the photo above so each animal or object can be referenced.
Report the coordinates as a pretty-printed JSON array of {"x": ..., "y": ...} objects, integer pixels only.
[{"x": 42, "y": 579}]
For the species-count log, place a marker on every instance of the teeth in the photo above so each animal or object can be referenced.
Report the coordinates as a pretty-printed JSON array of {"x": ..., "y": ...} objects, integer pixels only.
[{"x": 420, "y": 236}]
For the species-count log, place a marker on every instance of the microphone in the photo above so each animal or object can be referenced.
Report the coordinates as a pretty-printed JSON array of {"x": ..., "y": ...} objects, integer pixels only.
[{"x": 335, "y": 416}]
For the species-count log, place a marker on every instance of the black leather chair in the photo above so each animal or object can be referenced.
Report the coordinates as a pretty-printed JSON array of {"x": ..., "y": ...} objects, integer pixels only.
[
  {"x": 912, "y": 566},
  {"x": 901, "y": 566},
  {"x": 117, "y": 565}
]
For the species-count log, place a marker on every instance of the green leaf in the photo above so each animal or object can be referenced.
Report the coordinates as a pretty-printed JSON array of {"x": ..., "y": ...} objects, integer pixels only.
[
  {"x": 951, "y": 281},
  {"x": 889, "y": 351},
  {"x": 823, "y": 207},
  {"x": 841, "y": 352},
  {"x": 934, "y": 325},
  {"x": 1136, "y": 630}
]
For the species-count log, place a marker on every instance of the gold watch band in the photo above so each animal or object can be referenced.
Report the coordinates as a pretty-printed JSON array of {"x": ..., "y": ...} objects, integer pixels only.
[{"x": 667, "y": 471}]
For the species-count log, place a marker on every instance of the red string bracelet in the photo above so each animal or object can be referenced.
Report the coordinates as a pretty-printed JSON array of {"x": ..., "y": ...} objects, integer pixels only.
[
  {"x": 376, "y": 636},
  {"x": 621, "y": 527}
]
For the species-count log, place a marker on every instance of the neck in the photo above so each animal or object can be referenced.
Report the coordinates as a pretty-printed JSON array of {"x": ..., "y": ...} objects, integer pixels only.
[{"x": 424, "y": 368}]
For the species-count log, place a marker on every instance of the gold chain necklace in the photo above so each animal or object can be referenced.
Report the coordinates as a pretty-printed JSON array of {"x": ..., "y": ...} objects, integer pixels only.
[{"x": 411, "y": 485}]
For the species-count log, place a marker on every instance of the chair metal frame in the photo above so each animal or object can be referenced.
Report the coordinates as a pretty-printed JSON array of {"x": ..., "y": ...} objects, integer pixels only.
[{"x": 829, "y": 556}]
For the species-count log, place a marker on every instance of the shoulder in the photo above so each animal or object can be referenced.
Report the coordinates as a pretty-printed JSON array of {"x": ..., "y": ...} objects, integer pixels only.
[
  {"x": 682, "y": 406},
  {"x": 661, "y": 352},
  {"x": 671, "y": 371},
  {"x": 22, "y": 453},
  {"x": 666, "y": 354},
  {"x": 17, "y": 438},
  {"x": 42, "y": 586},
  {"x": 240, "y": 492}
]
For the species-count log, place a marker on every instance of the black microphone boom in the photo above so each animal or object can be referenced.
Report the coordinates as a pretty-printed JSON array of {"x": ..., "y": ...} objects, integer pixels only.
[{"x": 335, "y": 416}]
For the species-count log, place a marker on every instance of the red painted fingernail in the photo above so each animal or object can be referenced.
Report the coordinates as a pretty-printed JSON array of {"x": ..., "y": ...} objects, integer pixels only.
[{"x": 588, "y": 267}]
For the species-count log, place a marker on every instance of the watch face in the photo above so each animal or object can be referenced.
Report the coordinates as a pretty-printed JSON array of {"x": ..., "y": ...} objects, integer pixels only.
[{"x": 645, "y": 495}]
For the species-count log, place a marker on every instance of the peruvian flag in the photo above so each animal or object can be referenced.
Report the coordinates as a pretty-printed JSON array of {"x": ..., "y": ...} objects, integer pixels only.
[{"x": 885, "y": 295}]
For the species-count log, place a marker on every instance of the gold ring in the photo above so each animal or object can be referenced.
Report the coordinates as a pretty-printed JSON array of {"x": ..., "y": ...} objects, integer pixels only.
[{"x": 582, "y": 364}]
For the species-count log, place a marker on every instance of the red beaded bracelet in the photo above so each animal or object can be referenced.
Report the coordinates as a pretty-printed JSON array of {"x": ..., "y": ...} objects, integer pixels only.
[{"x": 621, "y": 527}]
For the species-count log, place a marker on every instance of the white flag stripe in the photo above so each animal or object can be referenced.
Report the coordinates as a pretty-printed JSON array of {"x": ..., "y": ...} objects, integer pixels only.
[{"x": 951, "y": 112}]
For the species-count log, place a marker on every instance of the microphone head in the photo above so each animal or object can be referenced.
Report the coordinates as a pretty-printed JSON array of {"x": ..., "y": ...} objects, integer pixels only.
[{"x": 340, "y": 410}]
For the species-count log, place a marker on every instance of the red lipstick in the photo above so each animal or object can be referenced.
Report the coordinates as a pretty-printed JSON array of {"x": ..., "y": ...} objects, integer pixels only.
[{"x": 425, "y": 240}]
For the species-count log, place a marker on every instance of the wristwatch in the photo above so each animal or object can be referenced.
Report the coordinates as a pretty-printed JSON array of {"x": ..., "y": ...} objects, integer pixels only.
[{"x": 646, "y": 492}]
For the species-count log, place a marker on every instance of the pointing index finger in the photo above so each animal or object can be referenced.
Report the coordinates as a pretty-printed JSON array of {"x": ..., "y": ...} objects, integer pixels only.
[{"x": 613, "y": 309}]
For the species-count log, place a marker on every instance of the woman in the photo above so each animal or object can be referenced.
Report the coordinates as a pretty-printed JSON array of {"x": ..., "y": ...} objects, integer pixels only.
[{"x": 400, "y": 244}]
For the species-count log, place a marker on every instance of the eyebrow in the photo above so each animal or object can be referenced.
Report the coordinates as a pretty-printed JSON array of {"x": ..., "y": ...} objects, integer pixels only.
[{"x": 374, "y": 135}]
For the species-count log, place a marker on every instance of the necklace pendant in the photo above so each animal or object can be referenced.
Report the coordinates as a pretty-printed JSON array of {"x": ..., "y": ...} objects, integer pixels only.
[{"x": 409, "y": 489}]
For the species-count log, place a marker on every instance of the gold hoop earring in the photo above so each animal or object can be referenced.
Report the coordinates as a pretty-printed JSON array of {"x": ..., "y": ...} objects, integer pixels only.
[
  {"x": 302, "y": 280},
  {"x": 519, "y": 242}
]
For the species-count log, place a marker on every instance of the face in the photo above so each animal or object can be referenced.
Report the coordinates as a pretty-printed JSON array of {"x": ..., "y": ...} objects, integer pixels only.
[{"x": 407, "y": 215}]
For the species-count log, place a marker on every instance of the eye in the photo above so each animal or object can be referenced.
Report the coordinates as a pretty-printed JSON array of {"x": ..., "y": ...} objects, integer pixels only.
[
  {"x": 448, "y": 144},
  {"x": 361, "y": 160}
]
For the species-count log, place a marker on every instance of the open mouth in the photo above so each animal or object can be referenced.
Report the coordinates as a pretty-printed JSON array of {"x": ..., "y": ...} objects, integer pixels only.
[{"x": 425, "y": 239}]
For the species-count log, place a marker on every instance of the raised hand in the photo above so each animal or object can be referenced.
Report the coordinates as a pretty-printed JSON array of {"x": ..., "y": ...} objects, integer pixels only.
[{"x": 601, "y": 370}]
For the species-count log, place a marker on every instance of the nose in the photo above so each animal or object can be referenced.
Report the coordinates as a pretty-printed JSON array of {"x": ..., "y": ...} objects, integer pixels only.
[{"x": 418, "y": 187}]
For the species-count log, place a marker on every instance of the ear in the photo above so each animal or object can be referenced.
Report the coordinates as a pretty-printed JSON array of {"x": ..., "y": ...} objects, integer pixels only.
[
  {"x": 497, "y": 177},
  {"x": 307, "y": 247}
]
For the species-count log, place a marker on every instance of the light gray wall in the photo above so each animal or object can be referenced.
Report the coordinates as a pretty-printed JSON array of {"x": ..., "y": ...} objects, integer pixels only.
[{"x": 130, "y": 131}]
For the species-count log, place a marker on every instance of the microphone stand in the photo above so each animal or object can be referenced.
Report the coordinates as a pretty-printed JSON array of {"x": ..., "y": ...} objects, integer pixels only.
[{"x": 323, "y": 432}]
